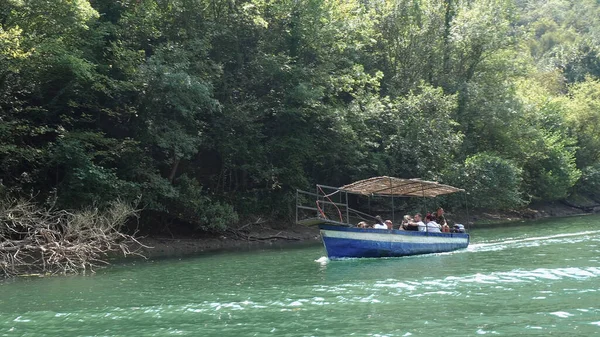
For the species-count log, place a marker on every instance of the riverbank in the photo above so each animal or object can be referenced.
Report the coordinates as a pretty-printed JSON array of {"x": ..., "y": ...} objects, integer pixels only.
[
  {"x": 264, "y": 235},
  {"x": 250, "y": 237}
]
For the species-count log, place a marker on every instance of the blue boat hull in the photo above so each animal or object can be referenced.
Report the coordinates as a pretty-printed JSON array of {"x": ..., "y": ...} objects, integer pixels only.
[{"x": 344, "y": 242}]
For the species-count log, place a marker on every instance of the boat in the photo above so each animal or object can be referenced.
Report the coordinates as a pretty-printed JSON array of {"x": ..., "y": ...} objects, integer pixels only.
[{"x": 343, "y": 239}]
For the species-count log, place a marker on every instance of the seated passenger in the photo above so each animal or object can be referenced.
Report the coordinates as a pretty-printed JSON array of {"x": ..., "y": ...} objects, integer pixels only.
[
  {"x": 379, "y": 224},
  {"x": 416, "y": 224},
  {"x": 405, "y": 221},
  {"x": 432, "y": 226},
  {"x": 362, "y": 224},
  {"x": 458, "y": 228},
  {"x": 389, "y": 224}
]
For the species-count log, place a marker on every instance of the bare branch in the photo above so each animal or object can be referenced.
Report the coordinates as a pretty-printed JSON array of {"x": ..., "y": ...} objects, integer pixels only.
[{"x": 49, "y": 241}]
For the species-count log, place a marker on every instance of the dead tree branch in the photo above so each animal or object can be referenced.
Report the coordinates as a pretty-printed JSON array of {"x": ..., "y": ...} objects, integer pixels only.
[{"x": 50, "y": 241}]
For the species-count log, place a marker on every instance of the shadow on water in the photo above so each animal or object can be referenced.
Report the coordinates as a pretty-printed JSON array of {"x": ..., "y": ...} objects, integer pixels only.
[
  {"x": 527, "y": 222},
  {"x": 251, "y": 249}
]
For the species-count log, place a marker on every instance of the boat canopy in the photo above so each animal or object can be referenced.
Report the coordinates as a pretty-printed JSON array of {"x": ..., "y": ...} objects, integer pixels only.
[{"x": 391, "y": 186}]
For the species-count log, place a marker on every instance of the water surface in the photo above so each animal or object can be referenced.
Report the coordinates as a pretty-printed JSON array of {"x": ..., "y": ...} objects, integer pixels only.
[{"x": 534, "y": 279}]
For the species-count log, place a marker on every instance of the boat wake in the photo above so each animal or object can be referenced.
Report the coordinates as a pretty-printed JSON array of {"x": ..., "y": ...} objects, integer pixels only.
[{"x": 530, "y": 242}]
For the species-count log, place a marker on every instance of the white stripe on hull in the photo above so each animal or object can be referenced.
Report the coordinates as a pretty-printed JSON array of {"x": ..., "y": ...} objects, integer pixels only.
[{"x": 390, "y": 237}]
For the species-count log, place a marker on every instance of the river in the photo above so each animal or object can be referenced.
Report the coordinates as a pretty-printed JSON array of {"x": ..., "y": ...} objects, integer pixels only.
[{"x": 533, "y": 279}]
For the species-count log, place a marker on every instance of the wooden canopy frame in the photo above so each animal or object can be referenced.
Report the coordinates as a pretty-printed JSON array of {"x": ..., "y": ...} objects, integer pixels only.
[{"x": 392, "y": 187}]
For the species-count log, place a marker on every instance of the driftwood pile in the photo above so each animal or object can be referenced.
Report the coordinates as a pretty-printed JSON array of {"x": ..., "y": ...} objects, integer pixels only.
[{"x": 50, "y": 241}]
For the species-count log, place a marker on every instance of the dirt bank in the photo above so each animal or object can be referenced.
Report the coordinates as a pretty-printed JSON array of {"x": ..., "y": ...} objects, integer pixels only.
[
  {"x": 263, "y": 235},
  {"x": 250, "y": 237}
]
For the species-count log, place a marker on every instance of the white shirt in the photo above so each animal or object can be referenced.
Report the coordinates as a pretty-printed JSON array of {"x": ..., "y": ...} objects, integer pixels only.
[
  {"x": 421, "y": 225},
  {"x": 433, "y": 227},
  {"x": 379, "y": 226}
]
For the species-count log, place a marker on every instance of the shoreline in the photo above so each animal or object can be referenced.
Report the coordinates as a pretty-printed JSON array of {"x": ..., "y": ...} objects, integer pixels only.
[
  {"x": 259, "y": 237},
  {"x": 263, "y": 236}
]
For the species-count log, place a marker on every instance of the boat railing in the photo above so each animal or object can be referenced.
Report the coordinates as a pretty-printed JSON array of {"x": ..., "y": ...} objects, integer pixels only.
[
  {"x": 313, "y": 208},
  {"x": 330, "y": 204},
  {"x": 361, "y": 215},
  {"x": 318, "y": 207}
]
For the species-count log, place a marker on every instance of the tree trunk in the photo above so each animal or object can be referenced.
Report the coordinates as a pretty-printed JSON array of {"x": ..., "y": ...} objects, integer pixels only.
[{"x": 174, "y": 169}]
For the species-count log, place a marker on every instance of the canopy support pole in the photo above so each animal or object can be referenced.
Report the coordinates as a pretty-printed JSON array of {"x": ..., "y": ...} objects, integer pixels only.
[
  {"x": 423, "y": 198},
  {"x": 467, "y": 208},
  {"x": 393, "y": 208},
  {"x": 347, "y": 209}
]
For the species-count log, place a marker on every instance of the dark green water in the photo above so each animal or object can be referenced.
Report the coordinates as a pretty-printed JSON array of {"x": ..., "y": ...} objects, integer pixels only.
[{"x": 533, "y": 280}]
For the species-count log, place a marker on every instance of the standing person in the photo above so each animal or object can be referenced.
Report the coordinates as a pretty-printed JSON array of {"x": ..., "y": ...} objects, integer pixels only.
[
  {"x": 441, "y": 220},
  {"x": 439, "y": 216}
]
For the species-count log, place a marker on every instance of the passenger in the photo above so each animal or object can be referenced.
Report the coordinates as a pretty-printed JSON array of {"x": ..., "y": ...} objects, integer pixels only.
[
  {"x": 362, "y": 224},
  {"x": 432, "y": 226},
  {"x": 441, "y": 220},
  {"x": 439, "y": 217},
  {"x": 405, "y": 221},
  {"x": 389, "y": 224},
  {"x": 458, "y": 228},
  {"x": 379, "y": 224},
  {"x": 417, "y": 224}
]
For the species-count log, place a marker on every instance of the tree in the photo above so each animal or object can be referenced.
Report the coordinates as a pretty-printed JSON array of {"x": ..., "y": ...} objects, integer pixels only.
[
  {"x": 414, "y": 136},
  {"x": 491, "y": 181},
  {"x": 583, "y": 119},
  {"x": 543, "y": 147},
  {"x": 176, "y": 103}
]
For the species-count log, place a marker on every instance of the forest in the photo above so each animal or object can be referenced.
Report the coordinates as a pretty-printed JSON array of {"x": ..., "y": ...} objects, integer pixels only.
[{"x": 208, "y": 113}]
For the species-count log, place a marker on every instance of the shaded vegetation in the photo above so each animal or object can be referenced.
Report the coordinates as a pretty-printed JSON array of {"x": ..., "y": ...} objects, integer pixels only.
[{"x": 213, "y": 112}]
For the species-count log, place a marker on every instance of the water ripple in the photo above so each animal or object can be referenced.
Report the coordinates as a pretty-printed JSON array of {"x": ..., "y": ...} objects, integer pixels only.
[
  {"x": 451, "y": 284},
  {"x": 561, "y": 314}
]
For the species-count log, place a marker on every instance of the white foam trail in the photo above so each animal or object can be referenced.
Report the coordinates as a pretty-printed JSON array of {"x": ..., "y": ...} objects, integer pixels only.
[
  {"x": 536, "y": 275},
  {"x": 537, "y": 240},
  {"x": 505, "y": 278},
  {"x": 540, "y": 238}
]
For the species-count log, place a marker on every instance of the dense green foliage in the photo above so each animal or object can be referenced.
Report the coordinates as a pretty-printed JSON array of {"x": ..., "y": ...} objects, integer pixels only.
[{"x": 213, "y": 111}]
